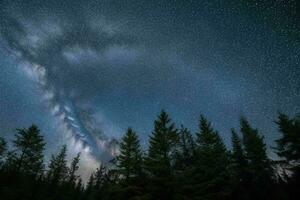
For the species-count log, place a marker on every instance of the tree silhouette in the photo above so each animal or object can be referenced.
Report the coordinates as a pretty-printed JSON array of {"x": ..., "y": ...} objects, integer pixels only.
[
  {"x": 58, "y": 170},
  {"x": 99, "y": 177},
  {"x": 90, "y": 185},
  {"x": 184, "y": 161},
  {"x": 158, "y": 162},
  {"x": 259, "y": 165},
  {"x": 185, "y": 150},
  {"x": 161, "y": 145},
  {"x": 212, "y": 169},
  {"x": 28, "y": 153},
  {"x": 240, "y": 166},
  {"x": 129, "y": 164},
  {"x": 178, "y": 165},
  {"x": 3, "y": 148},
  {"x": 130, "y": 157},
  {"x": 288, "y": 147},
  {"x": 73, "y": 169},
  {"x": 238, "y": 155}
]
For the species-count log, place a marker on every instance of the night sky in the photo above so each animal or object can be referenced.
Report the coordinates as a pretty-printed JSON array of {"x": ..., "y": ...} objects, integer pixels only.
[{"x": 84, "y": 71}]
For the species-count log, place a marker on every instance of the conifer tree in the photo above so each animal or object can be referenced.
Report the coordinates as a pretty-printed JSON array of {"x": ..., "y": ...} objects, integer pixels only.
[
  {"x": 185, "y": 150},
  {"x": 73, "y": 169},
  {"x": 240, "y": 167},
  {"x": 28, "y": 153},
  {"x": 184, "y": 160},
  {"x": 163, "y": 140},
  {"x": 91, "y": 182},
  {"x": 79, "y": 188},
  {"x": 130, "y": 157},
  {"x": 99, "y": 177},
  {"x": 90, "y": 188},
  {"x": 259, "y": 166},
  {"x": 79, "y": 185},
  {"x": 212, "y": 170},
  {"x": 58, "y": 170},
  {"x": 238, "y": 156},
  {"x": 288, "y": 147},
  {"x": 3, "y": 148},
  {"x": 161, "y": 145}
]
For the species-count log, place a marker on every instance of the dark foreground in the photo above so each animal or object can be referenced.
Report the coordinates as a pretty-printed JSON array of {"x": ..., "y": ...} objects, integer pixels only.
[{"x": 177, "y": 165}]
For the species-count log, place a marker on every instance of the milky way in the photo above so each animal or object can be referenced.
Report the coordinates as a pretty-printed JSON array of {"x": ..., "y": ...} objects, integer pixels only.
[{"x": 86, "y": 70}]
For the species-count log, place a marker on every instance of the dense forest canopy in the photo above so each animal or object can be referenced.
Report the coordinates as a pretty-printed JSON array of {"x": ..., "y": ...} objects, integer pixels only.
[{"x": 177, "y": 164}]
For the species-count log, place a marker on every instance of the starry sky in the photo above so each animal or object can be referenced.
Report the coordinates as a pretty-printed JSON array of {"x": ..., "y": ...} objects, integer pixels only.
[{"x": 85, "y": 70}]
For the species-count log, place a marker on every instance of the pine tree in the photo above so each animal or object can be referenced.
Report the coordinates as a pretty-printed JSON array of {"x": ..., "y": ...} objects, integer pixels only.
[
  {"x": 79, "y": 188},
  {"x": 3, "y": 148},
  {"x": 28, "y": 154},
  {"x": 160, "y": 157},
  {"x": 90, "y": 188},
  {"x": 259, "y": 166},
  {"x": 58, "y": 170},
  {"x": 73, "y": 169},
  {"x": 161, "y": 147},
  {"x": 238, "y": 156},
  {"x": 130, "y": 157},
  {"x": 185, "y": 150},
  {"x": 184, "y": 160},
  {"x": 212, "y": 170},
  {"x": 99, "y": 176},
  {"x": 91, "y": 182},
  {"x": 240, "y": 167},
  {"x": 288, "y": 147},
  {"x": 79, "y": 185}
]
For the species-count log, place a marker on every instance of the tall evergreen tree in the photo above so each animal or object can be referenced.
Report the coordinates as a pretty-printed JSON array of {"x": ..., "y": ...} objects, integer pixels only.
[
  {"x": 79, "y": 188},
  {"x": 79, "y": 185},
  {"x": 238, "y": 156},
  {"x": 129, "y": 164},
  {"x": 185, "y": 150},
  {"x": 28, "y": 153},
  {"x": 130, "y": 157},
  {"x": 90, "y": 188},
  {"x": 288, "y": 147},
  {"x": 99, "y": 177},
  {"x": 58, "y": 170},
  {"x": 158, "y": 162},
  {"x": 73, "y": 169},
  {"x": 184, "y": 160},
  {"x": 212, "y": 170},
  {"x": 3, "y": 148},
  {"x": 259, "y": 166},
  {"x": 162, "y": 143},
  {"x": 91, "y": 182},
  {"x": 240, "y": 167}
]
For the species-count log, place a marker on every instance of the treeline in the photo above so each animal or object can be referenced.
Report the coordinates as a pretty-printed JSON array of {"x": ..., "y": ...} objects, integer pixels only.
[{"x": 177, "y": 165}]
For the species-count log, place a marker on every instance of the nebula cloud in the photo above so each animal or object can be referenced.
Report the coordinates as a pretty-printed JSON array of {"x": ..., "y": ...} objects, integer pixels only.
[{"x": 55, "y": 57}]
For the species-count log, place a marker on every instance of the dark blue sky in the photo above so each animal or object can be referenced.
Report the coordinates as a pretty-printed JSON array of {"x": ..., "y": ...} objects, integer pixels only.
[{"x": 84, "y": 71}]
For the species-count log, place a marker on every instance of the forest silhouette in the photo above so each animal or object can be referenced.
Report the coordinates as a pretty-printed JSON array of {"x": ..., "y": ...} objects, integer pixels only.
[{"x": 177, "y": 164}]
